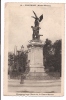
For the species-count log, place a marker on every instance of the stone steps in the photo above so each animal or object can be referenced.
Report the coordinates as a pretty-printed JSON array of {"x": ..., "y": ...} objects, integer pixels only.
[
  {"x": 41, "y": 77},
  {"x": 41, "y": 83},
  {"x": 29, "y": 86},
  {"x": 35, "y": 83}
]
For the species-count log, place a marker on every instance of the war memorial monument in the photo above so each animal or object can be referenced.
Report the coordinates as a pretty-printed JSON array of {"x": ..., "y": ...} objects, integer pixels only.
[{"x": 35, "y": 51}]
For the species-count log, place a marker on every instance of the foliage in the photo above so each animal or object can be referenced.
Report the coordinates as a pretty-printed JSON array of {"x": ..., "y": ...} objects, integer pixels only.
[
  {"x": 52, "y": 58},
  {"x": 17, "y": 63},
  {"x": 52, "y": 55}
]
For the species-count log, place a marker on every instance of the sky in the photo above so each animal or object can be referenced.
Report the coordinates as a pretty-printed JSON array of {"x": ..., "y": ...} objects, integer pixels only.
[{"x": 19, "y": 22}]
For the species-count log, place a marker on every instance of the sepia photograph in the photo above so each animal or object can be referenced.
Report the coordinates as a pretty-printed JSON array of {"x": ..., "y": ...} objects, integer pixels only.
[{"x": 34, "y": 49}]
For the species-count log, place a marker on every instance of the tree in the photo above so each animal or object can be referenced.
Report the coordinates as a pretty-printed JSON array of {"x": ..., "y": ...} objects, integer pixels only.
[
  {"x": 22, "y": 61},
  {"x": 57, "y": 56},
  {"x": 52, "y": 55},
  {"x": 17, "y": 63},
  {"x": 10, "y": 61},
  {"x": 47, "y": 53}
]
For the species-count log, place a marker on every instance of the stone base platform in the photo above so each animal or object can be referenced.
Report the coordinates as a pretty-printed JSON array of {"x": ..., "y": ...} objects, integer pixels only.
[
  {"x": 36, "y": 76},
  {"x": 35, "y": 86}
]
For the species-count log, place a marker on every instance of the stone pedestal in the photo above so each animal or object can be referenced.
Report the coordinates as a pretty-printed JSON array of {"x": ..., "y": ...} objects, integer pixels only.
[{"x": 35, "y": 58}]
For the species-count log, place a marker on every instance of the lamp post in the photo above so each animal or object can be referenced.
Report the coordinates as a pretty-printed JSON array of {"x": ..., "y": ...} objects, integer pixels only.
[{"x": 22, "y": 48}]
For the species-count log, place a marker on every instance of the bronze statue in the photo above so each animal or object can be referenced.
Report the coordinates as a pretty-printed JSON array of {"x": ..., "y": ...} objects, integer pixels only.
[{"x": 36, "y": 27}]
